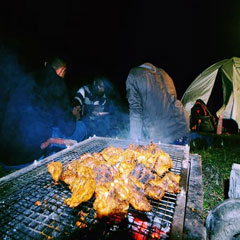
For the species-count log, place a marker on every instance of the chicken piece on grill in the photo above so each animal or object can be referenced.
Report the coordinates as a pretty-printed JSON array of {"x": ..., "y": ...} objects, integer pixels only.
[
  {"x": 85, "y": 155},
  {"x": 152, "y": 157},
  {"x": 114, "y": 197},
  {"x": 103, "y": 174},
  {"x": 126, "y": 166},
  {"x": 82, "y": 186},
  {"x": 141, "y": 176},
  {"x": 169, "y": 183},
  {"x": 154, "y": 191},
  {"x": 163, "y": 163},
  {"x": 111, "y": 198},
  {"x": 142, "y": 173},
  {"x": 70, "y": 172},
  {"x": 137, "y": 197},
  {"x": 152, "y": 147},
  {"x": 99, "y": 157},
  {"x": 111, "y": 154},
  {"x": 87, "y": 160},
  {"x": 146, "y": 158},
  {"x": 91, "y": 162},
  {"x": 55, "y": 169},
  {"x": 128, "y": 155}
]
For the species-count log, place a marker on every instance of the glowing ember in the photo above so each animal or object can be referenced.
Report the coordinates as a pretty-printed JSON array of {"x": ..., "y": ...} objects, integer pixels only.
[
  {"x": 157, "y": 233},
  {"x": 140, "y": 230},
  {"x": 38, "y": 203}
]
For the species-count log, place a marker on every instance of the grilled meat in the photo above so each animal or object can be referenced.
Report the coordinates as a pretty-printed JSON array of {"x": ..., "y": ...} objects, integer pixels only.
[
  {"x": 55, "y": 169},
  {"x": 82, "y": 186},
  {"x": 70, "y": 173},
  {"x": 170, "y": 182},
  {"x": 142, "y": 173},
  {"x": 118, "y": 178},
  {"x": 137, "y": 197},
  {"x": 103, "y": 174},
  {"x": 154, "y": 192},
  {"x": 111, "y": 154},
  {"x": 111, "y": 198},
  {"x": 163, "y": 163}
]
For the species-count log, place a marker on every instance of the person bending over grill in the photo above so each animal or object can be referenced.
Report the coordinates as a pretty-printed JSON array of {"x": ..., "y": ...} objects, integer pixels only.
[
  {"x": 155, "y": 113},
  {"x": 95, "y": 105}
]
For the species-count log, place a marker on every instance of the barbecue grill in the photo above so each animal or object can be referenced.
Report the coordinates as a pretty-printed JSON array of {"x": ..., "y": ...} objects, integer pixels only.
[{"x": 32, "y": 205}]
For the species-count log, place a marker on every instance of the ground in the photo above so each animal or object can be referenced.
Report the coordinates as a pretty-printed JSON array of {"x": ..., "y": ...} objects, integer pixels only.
[{"x": 217, "y": 161}]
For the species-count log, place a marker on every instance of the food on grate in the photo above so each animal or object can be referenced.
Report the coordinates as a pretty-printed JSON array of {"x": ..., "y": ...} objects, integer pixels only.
[
  {"x": 82, "y": 185},
  {"x": 137, "y": 197},
  {"x": 163, "y": 163},
  {"x": 169, "y": 183},
  {"x": 38, "y": 203},
  {"x": 119, "y": 178},
  {"x": 142, "y": 174},
  {"x": 111, "y": 198},
  {"x": 55, "y": 169},
  {"x": 154, "y": 191}
]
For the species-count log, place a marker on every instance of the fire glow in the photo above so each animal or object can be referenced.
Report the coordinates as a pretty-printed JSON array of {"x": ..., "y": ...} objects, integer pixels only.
[{"x": 142, "y": 228}]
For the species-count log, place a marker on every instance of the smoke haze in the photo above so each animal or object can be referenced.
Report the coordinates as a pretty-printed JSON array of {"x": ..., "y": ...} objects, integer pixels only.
[{"x": 32, "y": 103}]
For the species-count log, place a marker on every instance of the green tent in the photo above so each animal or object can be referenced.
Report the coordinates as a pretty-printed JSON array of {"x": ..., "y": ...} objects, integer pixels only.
[{"x": 202, "y": 87}]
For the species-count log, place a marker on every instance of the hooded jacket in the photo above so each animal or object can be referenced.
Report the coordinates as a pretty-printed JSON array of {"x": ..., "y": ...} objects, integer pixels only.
[{"x": 155, "y": 113}]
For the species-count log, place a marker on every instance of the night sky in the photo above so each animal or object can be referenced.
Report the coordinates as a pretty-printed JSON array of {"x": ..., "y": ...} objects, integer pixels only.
[{"x": 183, "y": 37}]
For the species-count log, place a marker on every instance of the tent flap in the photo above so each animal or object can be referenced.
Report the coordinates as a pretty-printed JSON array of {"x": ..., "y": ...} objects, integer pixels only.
[{"x": 202, "y": 88}]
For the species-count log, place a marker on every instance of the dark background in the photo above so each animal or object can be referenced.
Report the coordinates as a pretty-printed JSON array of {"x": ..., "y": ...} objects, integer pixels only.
[{"x": 183, "y": 37}]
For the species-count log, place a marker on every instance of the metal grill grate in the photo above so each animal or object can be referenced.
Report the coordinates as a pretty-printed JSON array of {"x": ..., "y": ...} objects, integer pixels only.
[{"x": 32, "y": 206}]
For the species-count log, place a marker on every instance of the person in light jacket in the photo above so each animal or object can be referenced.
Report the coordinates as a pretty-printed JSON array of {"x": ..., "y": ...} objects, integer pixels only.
[{"x": 155, "y": 112}]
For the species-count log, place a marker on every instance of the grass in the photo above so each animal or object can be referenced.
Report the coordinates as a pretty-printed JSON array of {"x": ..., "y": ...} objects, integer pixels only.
[{"x": 217, "y": 162}]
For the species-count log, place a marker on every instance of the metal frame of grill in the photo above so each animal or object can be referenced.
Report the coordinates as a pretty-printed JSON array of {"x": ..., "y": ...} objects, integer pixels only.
[{"x": 22, "y": 218}]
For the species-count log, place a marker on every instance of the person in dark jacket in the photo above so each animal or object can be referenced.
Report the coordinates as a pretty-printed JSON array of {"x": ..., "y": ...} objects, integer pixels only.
[
  {"x": 37, "y": 105},
  {"x": 155, "y": 113}
]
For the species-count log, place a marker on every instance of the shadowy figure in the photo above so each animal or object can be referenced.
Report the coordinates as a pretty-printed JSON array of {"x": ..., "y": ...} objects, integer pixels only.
[{"x": 37, "y": 105}]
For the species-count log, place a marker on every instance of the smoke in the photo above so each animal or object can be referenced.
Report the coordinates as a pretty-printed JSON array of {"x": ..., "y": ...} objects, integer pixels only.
[
  {"x": 9, "y": 75},
  {"x": 17, "y": 110},
  {"x": 120, "y": 119},
  {"x": 31, "y": 104}
]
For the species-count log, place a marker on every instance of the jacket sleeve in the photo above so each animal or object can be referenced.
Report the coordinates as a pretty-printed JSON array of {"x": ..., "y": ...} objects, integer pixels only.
[
  {"x": 135, "y": 107},
  {"x": 80, "y": 132},
  {"x": 80, "y": 96}
]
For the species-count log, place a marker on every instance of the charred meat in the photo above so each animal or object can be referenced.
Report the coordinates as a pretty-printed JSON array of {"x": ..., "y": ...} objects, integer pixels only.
[{"x": 118, "y": 178}]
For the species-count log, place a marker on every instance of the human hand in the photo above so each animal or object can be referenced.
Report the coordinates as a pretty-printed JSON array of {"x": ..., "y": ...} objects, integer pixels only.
[{"x": 45, "y": 144}]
